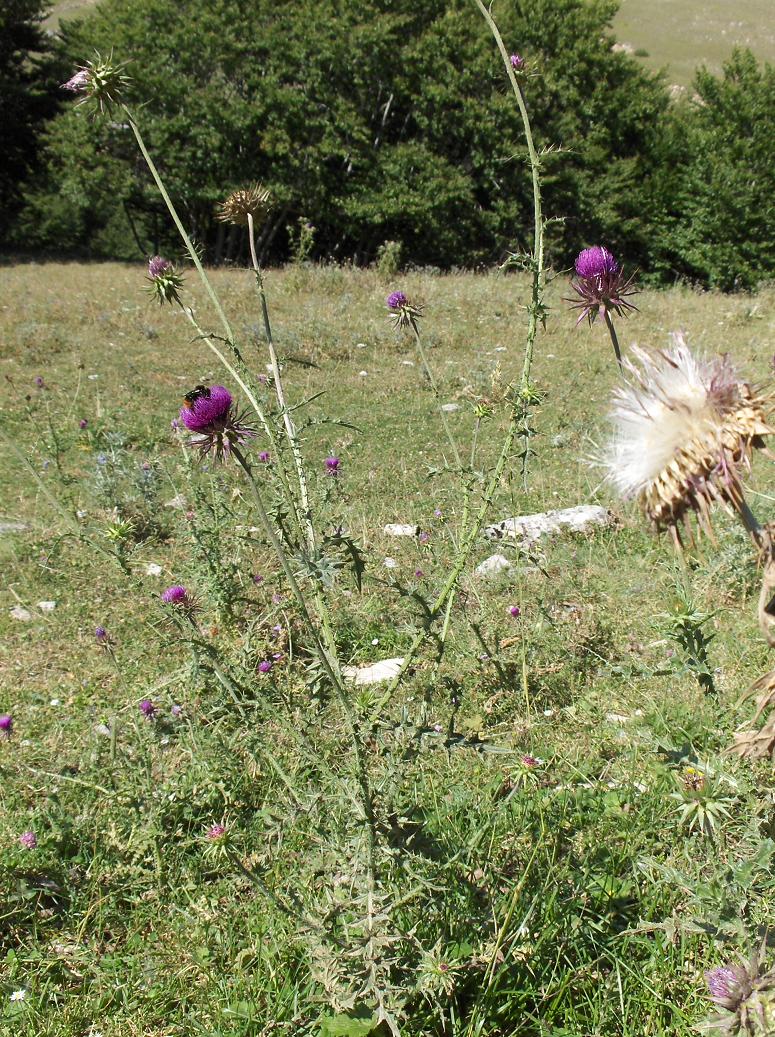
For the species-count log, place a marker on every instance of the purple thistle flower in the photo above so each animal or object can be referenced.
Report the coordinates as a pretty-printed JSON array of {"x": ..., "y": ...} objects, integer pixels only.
[
  {"x": 257, "y": 578},
  {"x": 515, "y": 611},
  {"x": 333, "y": 465},
  {"x": 419, "y": 574},
  {"x": 83, "y": 423},
  {"x": 215, "y": 833},
  {"x": 78, "y": 83},
  {"x": 39, "y": 381},
  {"x": 208, "y": 413},
  {"x": 175, "y": 595},
  {"x": 403, "y": 313},
  {"x": 101, "y": 635},
  {"x": 601, "y": 285},
  {"x": 148, "y": 709},
  {"x": 722, "y": 983},
  {"x": 531, "y": 762},
  {"x": 396, "y": 300},
  {"x": 277, "y": 599},
  {"x": 6, "y": 725},
  {"x": 264, "y": 456},
  {"x": 165, "y": 281},
  {"x": 28, "y": 840},
  {"x": 265, "y": 666},
  {"x": 517, "y": 62},
  {"x": 424, "y": 537},
  {"x": 438, "y": 513},
  {"x": 176, "y": 710}
]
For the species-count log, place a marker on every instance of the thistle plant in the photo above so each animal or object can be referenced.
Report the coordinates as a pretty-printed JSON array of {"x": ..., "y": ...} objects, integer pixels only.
[
  {"x": 290, "y": 505},
  {"x": 601, "y": 288},
  {"x": 685, "y": 429},
  {"x": 744, "y": 993}
]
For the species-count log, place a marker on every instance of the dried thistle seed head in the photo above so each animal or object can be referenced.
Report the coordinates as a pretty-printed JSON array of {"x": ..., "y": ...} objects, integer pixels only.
[
  {"x": 684, "y": 428},
  {"x": 254, "y": 200},
  {"x": 100, "y": 81}
]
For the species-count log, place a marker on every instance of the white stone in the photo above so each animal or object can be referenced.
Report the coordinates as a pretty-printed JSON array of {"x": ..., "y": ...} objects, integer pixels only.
[
  {"x": 178, "y": 501},
  {"x": 450, "y": 408},
  {"x": 21, "y": 613},
  {"x": 47, "y": 606},
  {"x": 375, "y": 673},
  {"x": 408, "y": 363},
  {"x": 500, "y": 349},
  {"x": 530, "y": 528},
  {"x": 363, "y": 374},
  {"x": 401, "y": 529},
  {"x": 493, "y": 566},
  {"x": 360, "y": 345},
  {"x": 153, "y": 569},
  {"x": 616, "y": 718},
  {"x": 13, "y": 527},
  {"x": 390, "y": 563}
]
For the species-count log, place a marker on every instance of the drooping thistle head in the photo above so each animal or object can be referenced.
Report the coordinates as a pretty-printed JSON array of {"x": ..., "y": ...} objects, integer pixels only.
[
  {"x": 745, "y": 995},
  {"x": 600, "y": 285},
  {"x": 403, "y": 312},
  {"x": 208, "y": 412},
  {"x": 684, "y": 429},
  {"x": 100, "y": 81},
  {"x": 166, "y": 283},
  {"x": 253, "y": 200}
]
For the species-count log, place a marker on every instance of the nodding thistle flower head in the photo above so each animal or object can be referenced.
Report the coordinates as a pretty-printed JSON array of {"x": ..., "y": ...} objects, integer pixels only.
[
  {"x": 517, "y": 62},
  {"x": 28, "y": 840},
  {"x": 166, "y": 283},
  {"x": 216, "y": 833},
  {"x": 253, "y": 200},
  {"x": 403, "y": 313},
  {"x": 148, "y": 709},
  {"x": 745, "y": 995},
  {"x": 179, "y": 598},
  {"x": 684, "y": 427},
  {"x": 100, "y": 81},
  {"x": 6, "y": 725},
  {"x": 209, "y": 413},
  {"x": 600, "y": 285},
  {"x": 333, "y": 466}
]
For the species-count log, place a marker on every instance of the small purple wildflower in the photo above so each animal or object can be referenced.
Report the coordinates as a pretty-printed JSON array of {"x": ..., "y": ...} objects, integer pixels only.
[
  {"x": 265, "y": 666},
  {"x": 6, "y": 725},
  {"x": 215, "y": 833},
  {"x": 208, "y": 413},
  {"x": 39, "y": 381},
  {"x": 333, "y": 465},
  {"x": 147, "y": 708},
  {"x": 83, "y": 424},
  {"x": 438, "y": 513},
  {"x": 78, "y": 83},
  {"x": 424, "y": 537},
  {"x": 419, "y": 574},
  {"x": 257, "y": 578},
  {"x": 517, "y": 62},
  {"x": 176, "y": 595},
  {"x": 277, "y": 656},
  {"x": 101, "y": 635},
  {"x": 264, "y": 456},
  {"x": 514, "y": 611},
  {"x": 278, "y": 628},
  {"x": 28, "y": 840},
  {"x": 531, "y": 762},
  {"x": 174, "y": 424},
  {"x": 176, "y": 710},
  {"x": 277, "y": 599}
]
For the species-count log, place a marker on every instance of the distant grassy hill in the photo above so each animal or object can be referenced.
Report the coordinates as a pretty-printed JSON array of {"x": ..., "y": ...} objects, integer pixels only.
[{"x": 678, "y": 34}]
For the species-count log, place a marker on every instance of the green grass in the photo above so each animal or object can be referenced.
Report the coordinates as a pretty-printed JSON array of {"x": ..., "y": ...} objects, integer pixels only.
[
  {"x": 567, "y": 901},
  {"x": 680, "y": 36}
]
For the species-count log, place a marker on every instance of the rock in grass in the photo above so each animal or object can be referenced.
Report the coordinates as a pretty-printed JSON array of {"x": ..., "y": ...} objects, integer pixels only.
[
  {"x": 47, "y": 606},
  {"x": 492, "y": 567},
  {"x": 450, "y": 408},
  {"x": 21, "y": 613},
  {"x": 13, "y": 527},
  {"x": 401, "y": 529},
  {"x": 374, "y": 673},
  {"x": 530, "y": 528}
]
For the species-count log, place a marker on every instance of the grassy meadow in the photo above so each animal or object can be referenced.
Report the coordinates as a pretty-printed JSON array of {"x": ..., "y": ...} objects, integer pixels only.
[{"x": 559, "y": 896}]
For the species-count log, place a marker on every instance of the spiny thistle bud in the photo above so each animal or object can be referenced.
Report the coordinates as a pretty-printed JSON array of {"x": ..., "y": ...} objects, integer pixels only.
[
  {"x": 745, "y": 994},
  {"x": 403, "y": 313},
  {"x": 600, "y": 285},
  {"x": 165, "y": 282},
  {"x": 100, "y": 81},
  {"x": 517, "y": 62},
  {"x": 254, "y": 200},
  {"x": 209, "y": 413},
  {"x": 684, "y": 427}
]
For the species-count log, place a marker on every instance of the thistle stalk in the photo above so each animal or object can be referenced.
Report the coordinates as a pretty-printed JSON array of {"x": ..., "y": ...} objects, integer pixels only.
[{"x": 614, "y": 338}]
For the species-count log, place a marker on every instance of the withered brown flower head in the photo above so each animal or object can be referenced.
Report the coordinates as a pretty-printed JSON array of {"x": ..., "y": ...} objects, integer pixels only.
[
  {"x": 684, "y": 431},
  {"x": 253, "y": 200}
]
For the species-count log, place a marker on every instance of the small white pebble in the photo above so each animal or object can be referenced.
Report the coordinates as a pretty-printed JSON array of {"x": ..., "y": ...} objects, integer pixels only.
[
  {"x": 21, "y": 613},
  {"x": 548, "y": 712},
  {"x": 153, "y": 569},
  {"x": 93, "y": 377},
  {"x": 54, "y": 702},
  {"x": 408, "y": 363},
  {"x": 500, "y": 349},
  {"x": 81, "y": 514},
  {"x": 47, "y": 606},
  {"x": 390, "y": 563},
  {"x": 375, "y": 640},
  {"x": 363, "y": 374},
  {"x": 360, "y": 345}
]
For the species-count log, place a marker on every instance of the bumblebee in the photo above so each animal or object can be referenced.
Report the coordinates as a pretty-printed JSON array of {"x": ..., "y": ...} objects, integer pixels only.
[{"x": 199, "y": 392}]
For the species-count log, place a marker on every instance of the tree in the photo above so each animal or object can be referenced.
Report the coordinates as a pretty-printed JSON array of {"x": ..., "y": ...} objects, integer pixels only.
[
  {"x": 376, "y": 119},
  {"x": 27, "y": 93}
]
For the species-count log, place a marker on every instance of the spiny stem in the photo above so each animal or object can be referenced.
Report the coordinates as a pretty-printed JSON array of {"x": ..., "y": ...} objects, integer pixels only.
[
  {"x": 614, "y": 338},
  {"x": 181, "y": 229}
]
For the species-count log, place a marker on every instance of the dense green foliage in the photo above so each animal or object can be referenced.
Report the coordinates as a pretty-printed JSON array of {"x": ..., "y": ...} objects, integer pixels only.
[
  {"x": 716, "y": 187},
  {"x": 382, "y": 120},
  {"x": 26, "y": 91},
  {"x": 389, "y": 121}
]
